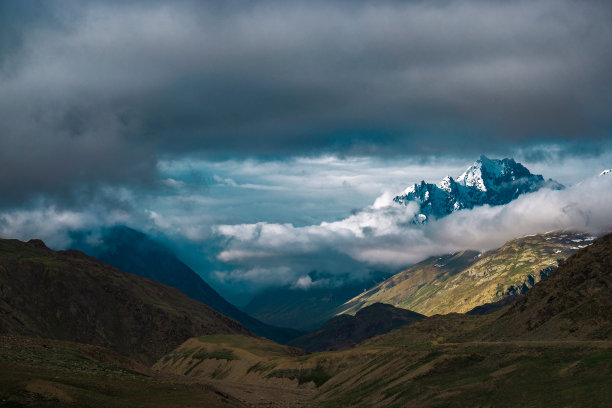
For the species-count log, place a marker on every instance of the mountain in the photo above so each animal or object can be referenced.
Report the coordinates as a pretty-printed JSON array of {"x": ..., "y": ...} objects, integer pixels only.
[
  {"x": 135, "y": 252},
  {"x": 487, "y": 181},
  {"x": 67, "y": 295},
  {"x": 345, "y": 331},
  {"x": 459, "y": 282}
]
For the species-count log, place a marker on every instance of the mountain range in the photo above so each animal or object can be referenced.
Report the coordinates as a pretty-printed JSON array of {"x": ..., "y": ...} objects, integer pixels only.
[
  {"x": 487, "y": 181},
  {"x": 303, "y": 309},
  {"x": 77, "y": 332}
]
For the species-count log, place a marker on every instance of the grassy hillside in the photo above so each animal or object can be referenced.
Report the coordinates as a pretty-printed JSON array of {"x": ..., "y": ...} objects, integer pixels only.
[
  {"x": 67, "y": 295},
  {"x": 459, "y": 282}
]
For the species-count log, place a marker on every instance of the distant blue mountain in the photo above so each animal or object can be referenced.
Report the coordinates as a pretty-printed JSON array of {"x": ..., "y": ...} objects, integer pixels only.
[
  {"x": 487, "y": 181},
  {"x": 134, "y": 252}
]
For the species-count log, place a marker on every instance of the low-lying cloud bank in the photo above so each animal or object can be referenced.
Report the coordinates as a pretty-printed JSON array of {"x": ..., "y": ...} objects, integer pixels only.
[{"x": 382, "y": 236}]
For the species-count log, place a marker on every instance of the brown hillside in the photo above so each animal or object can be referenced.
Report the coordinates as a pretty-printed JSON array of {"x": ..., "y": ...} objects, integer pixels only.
[{"x": 67, "y": 295}]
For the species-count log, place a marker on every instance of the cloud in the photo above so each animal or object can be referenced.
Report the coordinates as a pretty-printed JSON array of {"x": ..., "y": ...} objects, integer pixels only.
[
  {"x": 97, "y": 92},
  {"x": 54, "y": 225},
  {"x": 382, "y": 237}
]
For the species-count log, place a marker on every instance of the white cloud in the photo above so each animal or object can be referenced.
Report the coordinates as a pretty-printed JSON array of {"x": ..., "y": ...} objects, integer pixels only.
[
  {"x": 382, "y": 235},
  {"x": 53, "y": 225},
  {"x": 304, "y": 282}
]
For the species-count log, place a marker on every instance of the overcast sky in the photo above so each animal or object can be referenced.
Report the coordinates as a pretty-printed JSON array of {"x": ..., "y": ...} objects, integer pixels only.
[{"x": 189, "y": 119}]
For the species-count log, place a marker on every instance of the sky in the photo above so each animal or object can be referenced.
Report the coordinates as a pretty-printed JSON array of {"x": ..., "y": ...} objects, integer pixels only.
[{"x": 260, "y": 139}]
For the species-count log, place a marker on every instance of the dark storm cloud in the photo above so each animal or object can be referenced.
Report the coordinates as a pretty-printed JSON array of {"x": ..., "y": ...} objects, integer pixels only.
[{"x": 98, "y": 91}]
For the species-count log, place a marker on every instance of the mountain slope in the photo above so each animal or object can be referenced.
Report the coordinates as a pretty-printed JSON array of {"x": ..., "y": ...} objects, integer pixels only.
[
  {"x": 135, "y": 252},
  {"x": 67, "y": 295},
  {"x": 462, "y": 281},
  {"x": 407, "y": 286},
  {"x": 492, "y": 182},
  {"x": 345, "y": 331}
]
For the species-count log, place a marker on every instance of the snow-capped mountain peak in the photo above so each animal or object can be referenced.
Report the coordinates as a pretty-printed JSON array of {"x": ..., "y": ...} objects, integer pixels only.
[
  {"x": 487, "y": 181},
  {"x": 486, "y": 173},
  {"x": 603, "y": 173}
]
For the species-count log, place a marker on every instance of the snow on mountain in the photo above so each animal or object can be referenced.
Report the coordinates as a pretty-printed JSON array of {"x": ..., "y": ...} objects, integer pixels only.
[
  {"x": 487, "y": 181},
  {"x": 603, "y": 173}
]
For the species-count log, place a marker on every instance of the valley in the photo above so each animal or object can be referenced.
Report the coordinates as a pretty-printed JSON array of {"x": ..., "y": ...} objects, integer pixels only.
[{"x": 550, "y": 345}]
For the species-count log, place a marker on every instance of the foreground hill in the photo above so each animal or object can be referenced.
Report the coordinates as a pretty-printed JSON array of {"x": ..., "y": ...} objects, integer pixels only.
[
  {"x": 47, "y": 373},
  {"x": 345, "y": 331},
  {"x": 459, "y": 282},
  {"x": 67, "y": 295},
  {"x": 135, "y": 252}
]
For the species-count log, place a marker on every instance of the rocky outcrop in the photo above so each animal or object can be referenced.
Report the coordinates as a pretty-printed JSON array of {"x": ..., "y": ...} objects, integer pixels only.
[{"x": 528, "y": 282}]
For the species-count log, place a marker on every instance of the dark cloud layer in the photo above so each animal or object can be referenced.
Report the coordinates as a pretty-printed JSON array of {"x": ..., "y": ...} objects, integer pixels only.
[{"x": 97, "y": 92}]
